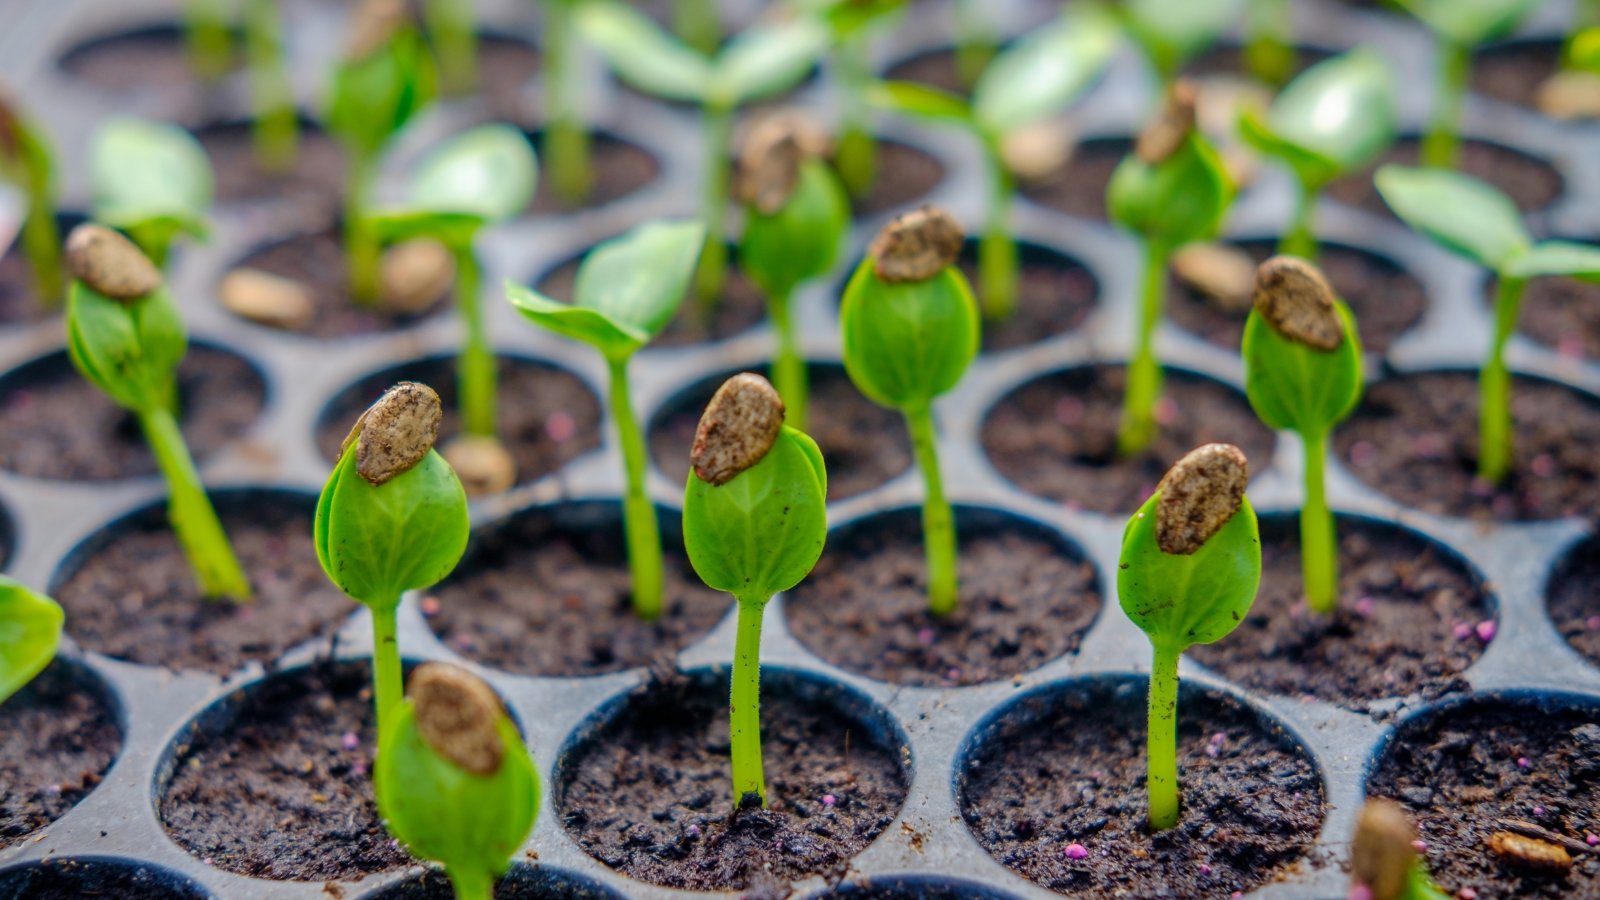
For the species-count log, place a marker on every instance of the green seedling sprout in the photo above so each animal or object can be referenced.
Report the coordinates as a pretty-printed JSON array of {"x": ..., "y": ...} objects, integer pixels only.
[
  {"x": 754, "y": 522},
  {"x": 274, "y": 130},
  {"x": 853, "y": 25},
  {"x": 1171, "y": 32},
  {"x": 764, "y": 60},
  {"x": 1332, "y": 120},
  {"x": 30, "y": 631},
  {"x": 627, "y": 290},
  {"x": 976, "y": 41},
  {"x": 1302, "y": 373},
  {"x": 453, "y": 780},
  {"x": 1384, "y": 864},
  {"x": 27, "y": 161},
  {"x": 126, "y": 337},
  {"x": 207, "y": 38},
  {"x": 1034, "y": 79},
  {"x": 1269, "y": 51},
  {"x": 450, "y": 29},
  {"x": 910, "y": 328},
  {"x": 152, "y": 181},
  {"x": 566, "y": 133},
  {"x": 796, "y": 215},
  {"x": 1172, "y": 190},
  {"x": 697, "y": 24},
  {"x": 1190, "y": 565},
  {"x": 1472, "y": 219},
  {"x": 392, "y": 518}
]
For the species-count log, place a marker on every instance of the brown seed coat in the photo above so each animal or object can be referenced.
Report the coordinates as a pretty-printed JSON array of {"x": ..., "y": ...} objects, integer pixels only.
[
  {"x": 1529, "y": 852},
  {"x": 916, "y": 245},
  {"x": 1165, "y": 134},
  {"x": 372, "y": 25},
  {"x": 1297, "y": 301},
  {"x": 110, "y": 263},
  {"x": 769, "y": 165},
  {"x": 458, "y": 716},
  {"x": 1381, "y": 854},
  {"x": 739, "y": 426},
  {"x": 1199, "y": 494},
  {"x": 396, "y": 432}
]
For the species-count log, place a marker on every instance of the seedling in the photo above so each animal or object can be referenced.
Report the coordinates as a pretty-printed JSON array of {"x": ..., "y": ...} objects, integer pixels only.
[
  {"x": 30, "y": 630},
  {"x": 454, "y": 781},
  {"x": 1172, "y": 190},
  {"x": 152, "y": 181},
  {"x": 274, "y": 129},
  {"x": 910, "y": 328},
  {"x": 1034, "y": 79},
  {"x": 1190, "y": 564},
  {"x": 1268, "y": 51},
  {"x": 796, "y": 215},
  {"x": 754, "y": 522},
  {"x": 766, "y": 59},
  {"x": 126, "y": 337},
  {"x": 27, "y": 161},
  {"x": 1172, "y": 32},
  {"x": 207, "y": 38},
  {"x": 454, "y": 43},
  {"x": 975, "y": 39},
  {"x": 566, "y": 133},
  {"x": 1333, "y": 120},
  {"x": 853, "y": 24},
  {"x": 1384, "y": 864},
  {"x": 627, "y": 290},
  {"x": 1302, "y": 372},
  {"x": 392, "y": 518},
  {"x": 1472, "y": 219}
]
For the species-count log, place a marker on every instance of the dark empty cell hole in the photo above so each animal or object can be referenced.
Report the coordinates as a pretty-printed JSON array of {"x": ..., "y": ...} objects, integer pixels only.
[
  {"x": 20, "y": 303},
  {"x": 1573, "y": 593},
  {"x": 936, "y": 68},
  {"x": 1064, "y": 767},
  {"x": 1056, "y": 436},
  {"x": 136, "y": 61},
  {"x": 313, "y": 185},
  {"x": 911, "y": 887},
  {"x": 58, "y": 736},
  {"x": 1531, "y": 182},
  {"x": 620, "y": 167},
  {"x": 1558, "y": 312},
  {"x": 905, "y": 174},
  {"x": 1469, "y": 770},
  {"x": 1027, "y": 596},
  {"x": 644, "y": 786},
  {"x": 1412, "y": 617},
  {"x": 1229, "y": 60},
  {"x": 549, "y": 592},
  {"x": 1078, "y": 188},
  {"x": 54, "y": 424},
  {"x": 77, "y": 877},
  {"x": 505, "y": 66},
  {"x": 1514, "y": 71},
  {"x": 129, "y": 591},
  {"x": 547, "y": 415},
  {"x": 1415, "y": 438},
  {"x": 522, "y": 882}
]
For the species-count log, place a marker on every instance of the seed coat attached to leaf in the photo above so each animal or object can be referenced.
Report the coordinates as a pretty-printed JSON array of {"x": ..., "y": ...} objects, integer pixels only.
[
  {"x": 1297, "y": 301},
  {"x": 739, "y": 426},
  {"x": 110, "y": 263},
  {"x": 458, "y": 716},
  {"x": 769, "y": 166},
  {"x": 1165, "y": 134},
  {"x": 1199, "y": 494},
  {"x": 396, "y": 432},
  {"x": 916, "y": 245}
]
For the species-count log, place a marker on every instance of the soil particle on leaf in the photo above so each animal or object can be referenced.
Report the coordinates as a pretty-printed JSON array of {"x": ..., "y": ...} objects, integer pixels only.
[
  {"x": 1532, "y": 183},
  {"x": 311, "y": 189},
  {"x": 58, "y": 735},
  {"x": 905, "y": 174},
  {"x": 1563, "y": 313},
  {"x": 1079, "y": 188},
  {"x": 1514, "y": 71},
  {"x": 620, "y": 168},
  {"x": 69, "y": 878},
  {"x": 1055, "y": 294},
  {"x": 1571, "y": 592}
]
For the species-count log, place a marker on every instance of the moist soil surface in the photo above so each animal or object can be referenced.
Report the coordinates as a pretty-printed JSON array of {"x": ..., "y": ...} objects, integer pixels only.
[
  {"x": 1079, "y": 187},
  {"x": 1463, "y": 774},
  {"x": 1230, "y": 60},
  {"x": 1415, "y": 438},
  {"x": 863, "y": 444},
  {"x": 55, "y": 424},
  {"x": 282, "y": 789},
  {"x": 905, "y": 174},
  {"x": 1055, "y": 293},
  {"x": 1514, "y": 70},
  {"x": 1056, "y": 436},
  {"x": 311, "y": 188},
  {"x": 1563, "y": 313},
  {"x": 1571, "y": 593},
  {"x": 1405, "y": 625},
  {"x": 57, "y": 738},
  {"x": 547, "y": 416},
  {"x": 1067, "y": 769},
  {"x": 739, "y": 308},
  {"x": 551, "y": 594},
  {"x": 936, "y": 68},
  {"x": 1025, "y": 600},
  {"x": 136, "y": 62},
  {"x": 649, "y": 794},
  {"x": 620, "y": 168},
  {"x": 1531, "y": 182},
  {"x": 505, "y": 65},
  {"x": 19, "y": 301},
  {"x": 66, "y": 878},
  {"x": 521, "y": 883},
  {"x": 134, "y": 597},
  {"x": 893, "y": 888},
  {"x": 1384, "y": 298}
]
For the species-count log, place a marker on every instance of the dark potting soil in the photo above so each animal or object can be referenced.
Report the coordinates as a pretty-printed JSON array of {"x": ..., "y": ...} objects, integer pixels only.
[
  {"x": 1069, "y": 768},
  {"x": 1055, "y": 294},
  {"x": 863, "y": 444},
  {"x": 549, "y": 592},
  {"x": 280, "y": 788},
  {"x": 58, "y": 735},
  {"x": 1514, "y": 70},
  {"x": 1230, "y": 60},
  {"x": 547, "y": 416},
  {"x": 1384, "y": 298},
  {"x": 1571, "y": 593},
  {"x": 68, "y": 878},
  {"x": 131, "y": 594},
  {"x": 55, "y": 424},
  {"x": 1079, "y": 187},
  {"x": 135, "y": 62},
  {"x": 523, "y": 882},
  {"x": 1056, "y": 436},
  {"x": 649, "y": 794},
  {"x": 1563, "y": 313},
  {"x": 905, "y": 174},
  {"x": 1532, "y": 183},
  {"x": 915, "y": 888},
  {"x": 19, "y": 302},
  {"x": 1463, "y": 773},
  {"x": 935, "y": 68},
  {"x": 1026, "y": 598},
  {"x": 505, "y": 65},
  {"x": 312, "y": 188},
  {"x": 1407, "y": 623},
  {"x": 1415, "y": 438},
  {"x": 620, "y": 168}
]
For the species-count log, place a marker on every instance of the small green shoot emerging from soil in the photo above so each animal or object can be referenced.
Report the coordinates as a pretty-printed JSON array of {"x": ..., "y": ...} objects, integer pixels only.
[
  {"x": 207, "y": 38},
  {"x": 30, "y": 630},
  {"x": 392, "y": 518},
  {"x": 152, "y": 181},
  {"x": 1190, "y": 565},
  {"x": 566, "y": 133},
  {"x": 910, "y": 328},
  {"x": 274, "y": 129},
  {"x": 1472, "y": 219},
  {"x": 754, "y": 522},
  {"x": 1268, "y": 51},
  {"x": 1302, "y": 372},
  {"x": 627, "y": 290},
  {"x": 853, "y": 24},
  {"x": 454, "y": 781},
  {"x": 450, "y": 31},
  {"x": 27, "y": 161},
  {"x": 1172, "y": 32},
  {"x": 1384, "y": 864}
]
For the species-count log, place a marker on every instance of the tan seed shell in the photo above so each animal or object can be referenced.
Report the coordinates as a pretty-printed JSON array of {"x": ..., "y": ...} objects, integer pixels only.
[
  {"x": 916, "y": 245},
  {"x": 396, "y": 432},
  {"x": 373, "y": 23},
  {"x": 458, "y": 716},
  {"x": 110, "y": 263},
  {"x": 1297, "y": 301},
  {"x": 1530, "y": 852},
  {"x": 1199, "y": 494},
  {"x": 1381, "y": 855},
  {"x": 483, "y": 464},
  {"x": 739, "y": 426},
  {"x": 769, "y": 164},
  {"x": 1165, "y": 134}
]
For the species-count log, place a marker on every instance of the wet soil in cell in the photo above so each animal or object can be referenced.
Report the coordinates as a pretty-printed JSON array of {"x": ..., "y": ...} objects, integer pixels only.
[
  {"x": 547, "y": 416},
  {"x": 135, "y": 62},
  {"x": 58, "y": 735},
  {"x": 1230, "y": 60},
  {"x": 905, "y": 175},
  {"x": 505, "y": 65},
  {"x": 1056, "y": 436},
  {"x": 1055, "y": 294},
  {"x": 1532, "y": 183},
  {"x": 68, "y": 878},
  {"x": 280, "y": 788},
  {"x": 19, "y": 297},
  {"x": 549, "y": 592},
  {"x": 311, "y": 188},
  {"x": 1384, "y": 298},
  {"x": 1026, "y": 598},
  {"x": 1572, "y": 592},
  {"x": 55, "y": 424},
  {"x": 936, "y": 68},
  {"x": 1079, "y": 187},
  {"x": 130, "y": 593},
  {"x": 523, "y": 882},
  {"x": 620, "y": 168},
  {"x": 912, "y": 888},
  {"x": 1514, "y": 70},
  {"x": 1406, "y": 625},
  {"x": 1069, "y": 768},
  {"x": 1563, "y": 313},
  {"x": 1463, "y": 773},
  {"x": 649, "y": 793},
  {"x": 863, "y": 444},
  {"x": 1415, "y": 438}
]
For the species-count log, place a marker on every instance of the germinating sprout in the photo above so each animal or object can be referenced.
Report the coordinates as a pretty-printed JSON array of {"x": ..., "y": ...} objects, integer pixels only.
[
  {"x": 566, "y": 132},
  {"x": 1172, "y": 32},
  {"x": 274, "y": 128},
  {"x": 27, "y": 161},
  {"x": 853, "y": 24},
  {"x": 1384, "y": 864},
  {"x": 152, "y": 181},
  {"x": 30, "y": 631}
]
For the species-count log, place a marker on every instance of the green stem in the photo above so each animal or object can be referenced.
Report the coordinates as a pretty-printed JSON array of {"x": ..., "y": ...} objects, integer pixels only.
[
  {"x": 476, "y": 375},
  {"x": 363, "y": 253},
  {"x": 274, "y": 129},
  {"x": 1494, "y": 387},
  {"x": 1441, "y": 146},
  {"x": 788, "y": 367},
  {"x": 1269, "y": 54},
  {"x": 695, "y": 22},
  {"x": 206, "y": 36},
  {"x": 1301, "y": 238},
  {"x": 1162, "y": 741},
  {"x": 1319, "y": 547},
  {"x": 193, "y": 518},
  {"x": 744, "y": 704},
  {"x": 41, "y": 244},
  {"x": 1138, "y": 427},
  {"x": 997, "y": 252},
  {"x": 938, "y": 523},
  {"x": 566, "y": 137},
  {"x": 388, "y": 693},
  {"x": 471, "y": 884},
  {"x": 975, "y": 44},
  {"x": 709, "y": 274},
  {"x": 857, "y": 156},
  {"x": 450, "y": 27},
  {"x": 639, "y": 514}
]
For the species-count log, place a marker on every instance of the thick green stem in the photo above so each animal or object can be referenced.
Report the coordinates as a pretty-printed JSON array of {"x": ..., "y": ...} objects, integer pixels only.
[
  {"x": 788, "y": 367},
  {"x": 1441, "y": 146},
  {"x": 1319, "y": 546},
  {"x": 1494, "y": 387},
  {"x": 1301, "y": 238},
  {"x": 41, "y": 243},
  {"x": 274, "y": 130},
  {"x": 938, "y": 523},
  {"x": 639, "y": 514},
  {"x": 997, "y": 252},
  {"x": 857, "y": 156},
  {"x": 450, "y": 28},
  {"x": 475, "y": 378},
  {"x": 387, "y": 693},
  {"x": 744, "y": 705},
  {"x": 193, "y": 518},
  {"x": 566, "y": 136},
  {"x": 363, "y": 253},
  {"x": 206, "y": 36},
  {"x": 471, "y": 884},
  {"x": 695, "y": 22},
  {"x": 709, "y": 275},
  {"x": 1162, "y": 741},
  {"x": 975, "y": 42},
  {"x": 1269, "y": 54},
  {"x": 1138, "y": 427}
]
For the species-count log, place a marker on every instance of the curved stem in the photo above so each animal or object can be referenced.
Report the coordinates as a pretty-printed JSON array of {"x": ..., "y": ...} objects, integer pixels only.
[
  {"x": 639, "y": 515},
  {"x": 1301, "y": 239},
  {"x": 566, "y": 137},
  {"x": 363, "y": 254},
  {"x": 471, "y": 884},
  {"x": 1319, "y": 546},
  {"x": 274, "y": 128},
  {"x": 1441, "y": 146},
  {"x": 1494, "y": 387},
  {"x": 744, "y": 705},
  {"x": 1138, "y": 426},
  {"x": 193, "y": 518},
  {"x": 712, "y": 268},
  {"x": 789, "y": 367},
  {"x": 476, "y": 374},
  {"x": 386, "y": 678},
  {"x": 938, "y": 522},
  {"x": 1162, "y": 741},
  {"x": 997, "y": 253}
]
